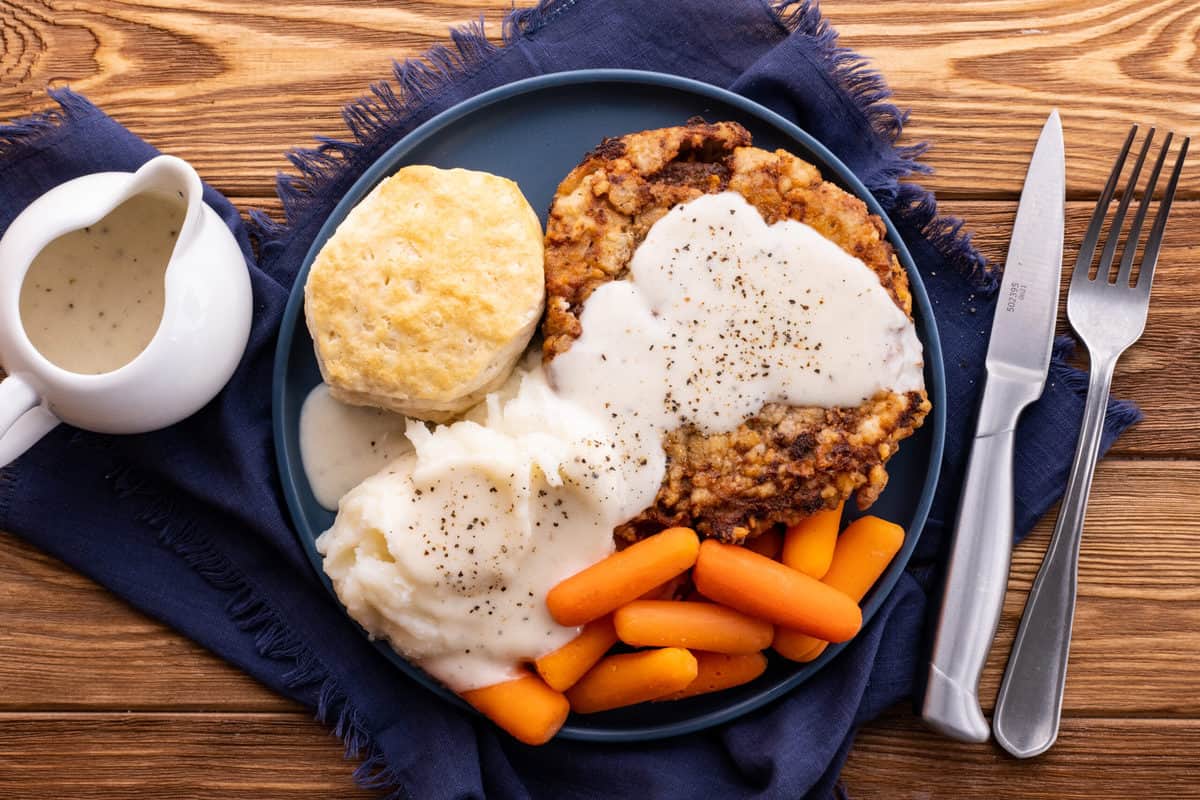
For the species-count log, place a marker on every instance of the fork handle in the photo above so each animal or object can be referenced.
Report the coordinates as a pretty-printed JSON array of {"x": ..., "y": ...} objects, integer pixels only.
[{"x": 1029, "y": 705}]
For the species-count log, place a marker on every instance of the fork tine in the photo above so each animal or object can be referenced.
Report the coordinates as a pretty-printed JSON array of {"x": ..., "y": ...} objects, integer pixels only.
[
  {"x": 1118, "y": 220},
  {"x": 1135, "y": 230},
  {"x": 1087, "y": 248},
  {"x": 1150, "y": 257}
]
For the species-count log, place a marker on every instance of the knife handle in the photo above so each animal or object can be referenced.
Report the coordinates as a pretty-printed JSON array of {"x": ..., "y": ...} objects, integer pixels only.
[{"x": 977, "y": 574}]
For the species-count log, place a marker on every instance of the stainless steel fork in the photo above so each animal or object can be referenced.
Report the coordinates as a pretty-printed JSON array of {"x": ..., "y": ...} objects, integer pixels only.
[{"x": 1108, "y": 314}]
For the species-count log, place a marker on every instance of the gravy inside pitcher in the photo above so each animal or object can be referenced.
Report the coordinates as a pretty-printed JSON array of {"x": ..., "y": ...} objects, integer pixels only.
[{"x": 93, "y": 298}]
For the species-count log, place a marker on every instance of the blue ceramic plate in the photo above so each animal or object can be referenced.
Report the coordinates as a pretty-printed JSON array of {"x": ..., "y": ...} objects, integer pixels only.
[{"x": 534, "y": 132}]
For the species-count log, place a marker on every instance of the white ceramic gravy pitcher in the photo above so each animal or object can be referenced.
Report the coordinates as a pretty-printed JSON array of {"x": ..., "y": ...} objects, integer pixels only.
[{"x": 202, "y": 333}]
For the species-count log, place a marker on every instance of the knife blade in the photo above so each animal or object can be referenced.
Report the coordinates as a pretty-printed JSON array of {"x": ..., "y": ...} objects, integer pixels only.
[
  {"x": 1023, "y": 325},
  {"x": 1018, "y": 359}
]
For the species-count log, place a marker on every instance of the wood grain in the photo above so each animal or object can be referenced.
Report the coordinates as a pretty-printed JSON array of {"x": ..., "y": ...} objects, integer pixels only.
[
  {"x": 1154, "y": 372},
  {"x": 231, "y": 84},
  {"x": 897, "y": 759},
  {"x": 1137, "y": 624},
  {"x": 266, "y": 756},
  {"x": 65, "y": 643},
  {"x": 982, "y": 76},
  {"x": 171, "y": 756}
]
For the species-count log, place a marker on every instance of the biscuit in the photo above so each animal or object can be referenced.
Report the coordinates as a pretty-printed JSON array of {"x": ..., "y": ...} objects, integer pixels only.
[{"x": 426, "y": 295}]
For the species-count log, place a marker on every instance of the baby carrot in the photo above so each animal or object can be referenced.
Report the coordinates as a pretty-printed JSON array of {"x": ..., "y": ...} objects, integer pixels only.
[
  {"x": 629, "y": 678},
  {"x": 717, "y": 671},
  {"x": 769, "y": 543},
  {"x": 797, "y": 646},
  {"x": 863, "y": 552},
  {"x": 809, "y": 543},
  {"x": 563, "y": 667},
  {"x": 526, "y": 707},
  {"x": 699, "y": 626},
  {"x": 623, "y": 576},
  {"x": 769, "y": 590}
]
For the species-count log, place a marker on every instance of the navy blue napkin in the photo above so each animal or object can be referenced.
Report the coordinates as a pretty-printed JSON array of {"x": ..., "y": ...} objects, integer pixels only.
[{"x": 188, "y": 524}]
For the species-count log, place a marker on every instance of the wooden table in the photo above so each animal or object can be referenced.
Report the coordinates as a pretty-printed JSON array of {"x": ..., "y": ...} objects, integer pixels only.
[{"x": 96, "y": 700}]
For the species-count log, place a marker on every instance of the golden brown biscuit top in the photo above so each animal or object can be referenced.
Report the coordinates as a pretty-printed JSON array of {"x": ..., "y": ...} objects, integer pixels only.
[{"x": 424, "y": 283}]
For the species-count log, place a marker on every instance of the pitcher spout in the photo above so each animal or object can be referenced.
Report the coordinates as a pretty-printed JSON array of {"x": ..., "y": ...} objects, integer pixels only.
[{"x": 173, "y": 177}]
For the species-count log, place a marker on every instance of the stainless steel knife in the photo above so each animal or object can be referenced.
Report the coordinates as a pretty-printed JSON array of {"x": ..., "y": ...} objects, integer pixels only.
[{"x": 1018, "y": 358}]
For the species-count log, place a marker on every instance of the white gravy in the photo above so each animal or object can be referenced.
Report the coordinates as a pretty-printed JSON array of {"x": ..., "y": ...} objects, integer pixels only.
[
  {"x": 93, "y": 298},
  {"x": 343, "y": 445},
  {"x": 449, "y": 553}
]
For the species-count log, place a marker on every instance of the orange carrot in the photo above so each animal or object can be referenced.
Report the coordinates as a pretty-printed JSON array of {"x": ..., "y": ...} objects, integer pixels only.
[
  {"x": 863, "y": 552},
  {"x": 769, "y": 543},
  {"x": 699, "y": 626},
  {"x": 563, "y": 667},
  {"x": 717, "y": 671},
  {"x": 623, "y": 680},
  {"x": 809, "y": 544},
  {"x": 623, "y": 576},
  {"x": 769, "y": 590},
  {"x": 526, "y": 707},
  {"x": 797, "y": 646}
]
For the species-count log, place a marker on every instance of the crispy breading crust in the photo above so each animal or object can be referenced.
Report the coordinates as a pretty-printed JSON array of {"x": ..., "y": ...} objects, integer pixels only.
[{"x": 785, "y": 463}]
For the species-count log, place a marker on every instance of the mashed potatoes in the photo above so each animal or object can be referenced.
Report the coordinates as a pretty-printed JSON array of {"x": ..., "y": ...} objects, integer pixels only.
[
  {"x": 428, "y": 292},
  {"x": 448, "y": 553}
]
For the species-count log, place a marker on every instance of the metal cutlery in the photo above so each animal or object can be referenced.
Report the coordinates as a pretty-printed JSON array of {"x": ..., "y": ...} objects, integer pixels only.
[
  {"x": 1018, "y": 359},
  {"x": 1108, "y": 314}
]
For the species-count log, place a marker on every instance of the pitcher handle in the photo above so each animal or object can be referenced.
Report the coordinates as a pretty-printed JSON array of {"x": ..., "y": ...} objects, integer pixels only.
[{"x": 23, "y": 418}]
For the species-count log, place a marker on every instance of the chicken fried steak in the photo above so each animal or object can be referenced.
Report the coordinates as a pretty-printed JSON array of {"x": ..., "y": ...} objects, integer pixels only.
[{"x": 785, "y": 462}]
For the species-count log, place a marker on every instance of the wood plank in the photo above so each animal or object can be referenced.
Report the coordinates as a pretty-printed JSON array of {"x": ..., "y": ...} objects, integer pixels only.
[
  {"x": 175, "y": 756},
  {"x": 287, "y": 756},
  {"x": 897, "y": 759},
  {"x": 1152, "y": 372},
  {"x": 982, "y": 77},
  {"x": 67, "y": 644},
  {"x": 231, "y": 84},
  {"x": 1137, "y": 621}
]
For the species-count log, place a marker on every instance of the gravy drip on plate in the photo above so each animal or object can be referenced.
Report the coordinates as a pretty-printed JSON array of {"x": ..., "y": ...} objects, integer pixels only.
[
  {"x": 449, "y": 553},
  {"x": 93, "y": 298},
  {"x": 343, "y": 445}
]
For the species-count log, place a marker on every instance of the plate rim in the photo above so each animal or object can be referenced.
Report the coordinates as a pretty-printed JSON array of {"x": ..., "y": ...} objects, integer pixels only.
[{"x": 389, "y": 160}]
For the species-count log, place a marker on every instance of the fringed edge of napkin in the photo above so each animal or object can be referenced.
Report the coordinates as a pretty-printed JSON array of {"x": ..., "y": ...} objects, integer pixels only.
[
  {"x": 398, "y": 107},
  {"x": 22, "y": 136},
  {"x": 905, "y": 202},
  {"x": 1120, "y": 414},
  {"x": 255, "y": 614}
]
